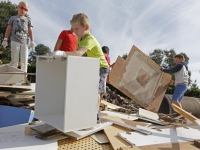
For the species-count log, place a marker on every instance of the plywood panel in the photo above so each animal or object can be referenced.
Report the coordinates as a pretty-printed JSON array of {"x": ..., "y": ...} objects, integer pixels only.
[
  {"x": 86, "y": 143},
  {"x": 111, "y": 133},
  {"x": 140, "y": 78}
]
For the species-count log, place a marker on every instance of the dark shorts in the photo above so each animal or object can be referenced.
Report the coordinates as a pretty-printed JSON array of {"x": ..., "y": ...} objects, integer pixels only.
[
  {"x": 179, "y": 92},
  {"x": 102, "y": 81}
]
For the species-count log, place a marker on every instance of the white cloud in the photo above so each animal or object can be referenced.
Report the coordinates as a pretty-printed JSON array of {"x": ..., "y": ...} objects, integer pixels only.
[{"x": 120, "y": 24}]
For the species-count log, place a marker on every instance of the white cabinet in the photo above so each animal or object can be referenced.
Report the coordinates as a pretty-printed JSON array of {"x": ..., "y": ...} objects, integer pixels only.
[{"x": 67, "y": 91}]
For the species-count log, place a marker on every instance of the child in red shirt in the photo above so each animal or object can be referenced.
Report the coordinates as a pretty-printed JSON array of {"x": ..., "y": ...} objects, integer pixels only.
[{"x": 67, "y": 41}]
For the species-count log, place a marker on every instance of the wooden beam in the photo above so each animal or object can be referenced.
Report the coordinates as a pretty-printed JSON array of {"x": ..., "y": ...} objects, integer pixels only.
[{"x": 184, "y": 113}]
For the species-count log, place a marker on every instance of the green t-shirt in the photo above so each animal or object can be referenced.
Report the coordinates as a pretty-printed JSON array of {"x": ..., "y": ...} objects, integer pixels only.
[{"x": 93, "y": 49}]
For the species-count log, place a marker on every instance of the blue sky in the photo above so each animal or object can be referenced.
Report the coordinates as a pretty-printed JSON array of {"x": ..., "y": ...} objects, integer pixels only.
[{"x": 147, "y": 24}]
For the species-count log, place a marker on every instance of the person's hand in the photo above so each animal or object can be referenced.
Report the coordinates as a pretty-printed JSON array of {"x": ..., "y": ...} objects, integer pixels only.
[
  {"x": 32, "y": 46},
  {"x": 111, "y": 66},
  {"x": 171, "y": 82},
  {"x": 5, "y": 42}
]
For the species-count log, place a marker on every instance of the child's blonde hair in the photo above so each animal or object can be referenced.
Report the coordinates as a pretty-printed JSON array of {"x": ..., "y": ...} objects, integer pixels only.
[
  {"x": 22, "y": 3},
  {"x": 81, "y": 18}
]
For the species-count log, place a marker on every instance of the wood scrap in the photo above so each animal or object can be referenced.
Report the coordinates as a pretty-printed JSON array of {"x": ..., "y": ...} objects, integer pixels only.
[
  {"x": 100, "y": 137},
  {"x": 197, "y": 143},
  {"x": 4, "y": 94},
  {"x": 115, "y": 141},
  {"x": 184, "y": 113},
  {"x": 19, "y": 98},
  {"x": 129, "y": 148}
]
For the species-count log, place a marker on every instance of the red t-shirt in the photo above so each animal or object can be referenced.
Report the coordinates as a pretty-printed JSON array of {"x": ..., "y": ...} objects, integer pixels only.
[{"x": 69, "y": 42}]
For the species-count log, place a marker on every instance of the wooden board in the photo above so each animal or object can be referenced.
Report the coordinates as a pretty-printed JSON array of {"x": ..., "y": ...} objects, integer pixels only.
[
  {"x": 184, "y": 113},
  {"x": 140, "y": 78},
  {"x": 129, "y": 148},
  {"x": 115, "y": 141},
  {"x": 170, "y": 146},
  {"x": 4, "y": 94},
  {"x": 110, "y": 104},
  {"x": 19, "y": 98},
  {"x": 86, "y": 143}
]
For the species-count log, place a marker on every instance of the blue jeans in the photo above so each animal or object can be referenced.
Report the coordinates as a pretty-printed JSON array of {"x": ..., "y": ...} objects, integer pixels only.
[{"x": 179, "y": 92}]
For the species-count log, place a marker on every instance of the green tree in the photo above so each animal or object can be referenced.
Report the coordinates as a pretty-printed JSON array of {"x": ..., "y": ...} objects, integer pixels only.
[
  {"x": 40, "y": 49},
  {"x": 7, "y": 9},
  {"x": 125, "y": 56},
  {"x": 157, "y": 56}
]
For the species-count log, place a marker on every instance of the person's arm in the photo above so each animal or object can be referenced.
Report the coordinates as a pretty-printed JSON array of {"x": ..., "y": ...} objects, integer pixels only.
[
  {"x": 78, "y": 52},
  {"x": 8, "y": 31},
  {"x": 57, "y": 45},
  {"x": 173, "y": 70},
  {"x": 30, "y": 32}
]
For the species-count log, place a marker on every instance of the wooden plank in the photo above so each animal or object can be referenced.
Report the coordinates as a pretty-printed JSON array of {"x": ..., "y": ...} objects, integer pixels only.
[
  {"x": 19, "y": 98},
  {"x": 115, "y": 141},
  {"x": 129, "y": 148},
  {"x": 109, "y": 104},
  {"x": 184, "y": 113},
  {"x": 44, "y": 128},
  {"x": 4, "y": 94},
  {"x": 170, "y": 146}
]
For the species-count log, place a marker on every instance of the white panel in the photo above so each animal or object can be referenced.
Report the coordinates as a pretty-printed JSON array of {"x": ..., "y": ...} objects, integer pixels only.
[
  {"x": 10, "y": 78},
  {"x": 121, "y": 115},
  {"x": 66, "y": 94},
  {"x": 13, "y": 138},
  {"x": 83, "y": 133},
  {"x": 172, "y": 135},
  {"x": 148, "y": 114}
]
